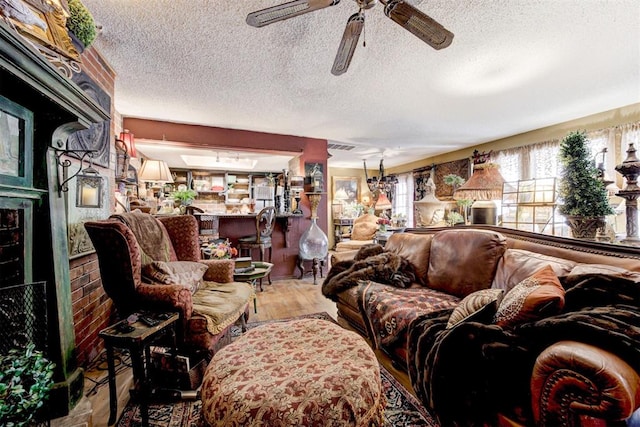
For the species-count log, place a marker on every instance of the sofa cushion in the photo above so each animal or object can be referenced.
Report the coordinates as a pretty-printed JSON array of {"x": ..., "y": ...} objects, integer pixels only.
[
  {"x": 536, "y": 297},
  {"x": 518, "y": 264},
  {"x": 464, "y": 261},
  {"x": 186, "y": 273},
  {"x": 472, "y": 303},
  {"x": 415, "y": 248}
]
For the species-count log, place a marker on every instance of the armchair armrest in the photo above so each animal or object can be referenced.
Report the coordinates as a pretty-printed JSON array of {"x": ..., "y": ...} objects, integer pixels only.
[
  {"x": 574, "y": 382},
  {"x": 177, "y": 297},
  {"x": 220, "y": 270}
]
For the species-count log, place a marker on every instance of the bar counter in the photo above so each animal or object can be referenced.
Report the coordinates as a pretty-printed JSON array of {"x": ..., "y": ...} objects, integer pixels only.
[{"x": 284, "y": 240}]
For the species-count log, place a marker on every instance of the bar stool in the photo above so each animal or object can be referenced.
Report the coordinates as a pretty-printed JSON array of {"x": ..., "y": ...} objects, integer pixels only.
[{"x": 265, "y": 221}]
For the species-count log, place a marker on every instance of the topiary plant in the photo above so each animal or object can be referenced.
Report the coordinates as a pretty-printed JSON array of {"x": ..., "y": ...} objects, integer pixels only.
[
  {"x": 81, "y": 23},
  {"x": 583, "y": 193},
  {"x": 25, "y": 381}
]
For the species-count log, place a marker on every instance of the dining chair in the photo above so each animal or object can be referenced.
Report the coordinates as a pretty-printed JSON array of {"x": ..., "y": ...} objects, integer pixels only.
[{"x": 265, "y": 221}]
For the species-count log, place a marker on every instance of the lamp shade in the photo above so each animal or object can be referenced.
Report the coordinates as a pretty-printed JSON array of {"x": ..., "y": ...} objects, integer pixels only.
[
  {"x": 155, "y": 171},
  {"x": 129, "y": 142},
  {"x": 297, "y": 183},
  {"x": 485, "y": 184},
  {"x": 383, "y": 202}
]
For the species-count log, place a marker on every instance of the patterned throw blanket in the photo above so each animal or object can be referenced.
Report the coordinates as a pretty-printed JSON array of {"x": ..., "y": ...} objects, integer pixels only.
[
  {"x": 152, "y": 238},
  {"x": 468, "y": 388},
  {"x": 386, "y": 299},
  {"x": 387, "y": 311}
]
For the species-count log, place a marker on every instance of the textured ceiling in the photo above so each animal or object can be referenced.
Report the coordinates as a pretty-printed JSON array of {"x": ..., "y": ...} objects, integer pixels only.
[{"x": 513, "y": 66}]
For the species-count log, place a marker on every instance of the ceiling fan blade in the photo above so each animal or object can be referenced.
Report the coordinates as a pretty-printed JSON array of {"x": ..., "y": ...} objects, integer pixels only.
[
  {"x": 288, "y": 10},
  {"x": 419, "y": 24},
  {"x": 348, "y": 44}
]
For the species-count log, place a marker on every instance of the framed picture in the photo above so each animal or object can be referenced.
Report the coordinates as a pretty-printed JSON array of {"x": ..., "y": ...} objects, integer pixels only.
[
  {"x": 346, "y": 189},
  {"x": 16, "y": 141},
  {"x": 43, "y": 22}
]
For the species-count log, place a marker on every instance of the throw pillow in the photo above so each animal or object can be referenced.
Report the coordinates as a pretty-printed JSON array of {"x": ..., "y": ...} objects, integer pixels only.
[
  {"x": 186, "y": 273},
  {"x": 536, "y": 297},
  {"x": 472, "y": 303},
  {"x": 518, "y": 264}
]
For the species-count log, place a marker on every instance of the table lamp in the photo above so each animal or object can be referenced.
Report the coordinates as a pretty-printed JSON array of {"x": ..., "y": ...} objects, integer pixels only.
[{"x": 484, "y": 186}]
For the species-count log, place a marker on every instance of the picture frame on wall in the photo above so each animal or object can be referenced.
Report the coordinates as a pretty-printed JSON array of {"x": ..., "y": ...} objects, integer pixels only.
[
  {"x": 16, "y": 142},
  {"x": 346, "y": 189}
]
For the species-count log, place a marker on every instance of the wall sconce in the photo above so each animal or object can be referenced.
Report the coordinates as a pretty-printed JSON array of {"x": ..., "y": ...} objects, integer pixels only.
[
  {"x": 129, "y": 142},
  {"x": 63, "y": 178},
  {"x": 89, "y": 189}
]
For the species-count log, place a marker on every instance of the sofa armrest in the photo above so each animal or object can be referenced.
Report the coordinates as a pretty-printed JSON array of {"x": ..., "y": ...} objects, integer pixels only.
[
  {"x": 343, "y": 256},
  {"x": 177, "y": 297},
  {"x": 574, "y": 382},
  {"x": 219, "y": 270}
]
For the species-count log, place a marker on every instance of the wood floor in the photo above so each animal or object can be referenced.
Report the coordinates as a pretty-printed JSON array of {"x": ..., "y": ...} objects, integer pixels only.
[{"x": 282, "y": 299}]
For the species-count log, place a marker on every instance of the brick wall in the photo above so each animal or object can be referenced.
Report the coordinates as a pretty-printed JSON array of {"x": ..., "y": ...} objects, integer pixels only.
[{"x": 92, "y": 308}]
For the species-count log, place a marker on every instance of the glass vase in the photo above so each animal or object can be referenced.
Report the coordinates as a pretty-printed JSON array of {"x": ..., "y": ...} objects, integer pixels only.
[{"x": 314, "y": 243}]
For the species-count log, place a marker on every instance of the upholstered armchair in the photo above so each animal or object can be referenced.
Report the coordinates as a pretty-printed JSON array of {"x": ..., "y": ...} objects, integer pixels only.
[
  {"x": 362, "y": 233},
  {"x": 155, "y": 264}
]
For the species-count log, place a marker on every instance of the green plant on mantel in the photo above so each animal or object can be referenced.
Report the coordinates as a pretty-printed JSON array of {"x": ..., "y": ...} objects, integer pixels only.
[
  {"x": 81, "y": 22},
  {"x": 25, "y": 381},
  {"x": 582, "y": 192}
]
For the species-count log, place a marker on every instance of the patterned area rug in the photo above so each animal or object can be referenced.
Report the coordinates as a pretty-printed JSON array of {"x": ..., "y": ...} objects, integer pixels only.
[{"x": 403, "y": 409}]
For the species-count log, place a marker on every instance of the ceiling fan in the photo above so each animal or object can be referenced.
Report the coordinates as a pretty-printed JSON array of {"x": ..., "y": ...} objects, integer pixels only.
[{"x": 400, "y": 11}]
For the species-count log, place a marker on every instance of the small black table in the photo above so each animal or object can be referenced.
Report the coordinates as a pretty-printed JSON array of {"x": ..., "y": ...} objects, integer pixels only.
[
  {"x": 137, "y": 341},
  {"x": 260, "y": 271}
]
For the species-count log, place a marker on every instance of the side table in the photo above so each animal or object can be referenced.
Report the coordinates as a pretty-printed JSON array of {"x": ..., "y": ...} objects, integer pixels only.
[
  {"x": 137, "y": 342},
  {"x": 260, "y": 271},
  {"x": 381, "y": 237},
  {"x": 339, "y": 224}
]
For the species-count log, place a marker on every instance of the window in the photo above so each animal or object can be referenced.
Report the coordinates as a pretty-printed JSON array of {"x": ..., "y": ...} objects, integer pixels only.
[
  {"x": 540, "y": 160},
  {"x": 403, "y": 200}
]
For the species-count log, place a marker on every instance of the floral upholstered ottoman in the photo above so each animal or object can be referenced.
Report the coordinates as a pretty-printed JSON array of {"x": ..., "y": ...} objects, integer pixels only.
[{"x": 307, "y": 372}]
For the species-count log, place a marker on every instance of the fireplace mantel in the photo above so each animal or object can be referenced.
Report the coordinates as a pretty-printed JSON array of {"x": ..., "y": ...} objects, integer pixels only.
[{"x": 59, "y": 108}]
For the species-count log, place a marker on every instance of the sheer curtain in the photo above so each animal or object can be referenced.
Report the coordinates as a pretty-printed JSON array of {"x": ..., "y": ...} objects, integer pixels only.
[
  {"x": 403, "y": 200},
  {"x": 540, "y": 160},
  {"x": 629, "y": 134}
]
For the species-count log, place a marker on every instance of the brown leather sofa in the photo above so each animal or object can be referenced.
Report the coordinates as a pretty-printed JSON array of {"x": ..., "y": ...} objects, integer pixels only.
[{"x": 526, "y": 375}]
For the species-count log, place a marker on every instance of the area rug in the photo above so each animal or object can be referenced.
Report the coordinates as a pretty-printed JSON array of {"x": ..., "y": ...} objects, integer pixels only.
[{"x": 403, "y": 409}]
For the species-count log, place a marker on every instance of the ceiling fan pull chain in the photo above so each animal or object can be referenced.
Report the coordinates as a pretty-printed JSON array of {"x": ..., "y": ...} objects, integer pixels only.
[{"x": 364, "y": 29}]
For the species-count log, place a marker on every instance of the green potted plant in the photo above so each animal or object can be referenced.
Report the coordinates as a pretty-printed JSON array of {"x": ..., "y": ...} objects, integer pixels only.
[
  {"x": 81, "y": 24},
  {"x": 25, "y": 381},
  {"x": 583, "y": 193},
  {"x": 185, "y": 196}
]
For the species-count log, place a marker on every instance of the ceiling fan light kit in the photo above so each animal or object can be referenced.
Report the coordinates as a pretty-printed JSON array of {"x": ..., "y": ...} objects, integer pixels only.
[{"x": 400, "y": 11}]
